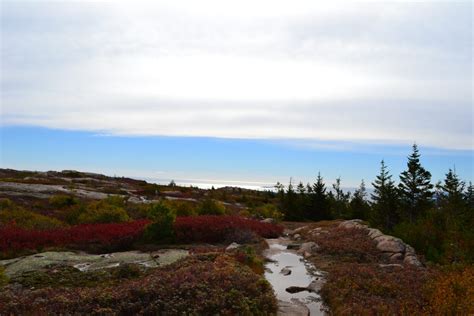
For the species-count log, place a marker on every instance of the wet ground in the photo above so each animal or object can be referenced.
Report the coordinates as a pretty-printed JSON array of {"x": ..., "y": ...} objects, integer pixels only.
[{"x": 302, "y": 274}]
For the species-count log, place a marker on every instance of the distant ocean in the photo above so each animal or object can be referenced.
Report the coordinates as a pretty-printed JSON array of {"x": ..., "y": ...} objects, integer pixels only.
[{"x": 208, "y": 184}]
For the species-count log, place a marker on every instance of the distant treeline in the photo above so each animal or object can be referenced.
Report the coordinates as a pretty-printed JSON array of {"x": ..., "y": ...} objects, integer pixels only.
[{"x": 437, "y": 219}]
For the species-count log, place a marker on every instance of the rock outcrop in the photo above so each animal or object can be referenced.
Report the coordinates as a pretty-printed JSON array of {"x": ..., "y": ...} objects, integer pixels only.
[{"x": 394, "y": 248}]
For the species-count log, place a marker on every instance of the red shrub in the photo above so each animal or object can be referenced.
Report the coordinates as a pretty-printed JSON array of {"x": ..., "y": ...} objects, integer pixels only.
[
  {"x": 209, "y": 228},
  {"x": 16, "y": 239}
]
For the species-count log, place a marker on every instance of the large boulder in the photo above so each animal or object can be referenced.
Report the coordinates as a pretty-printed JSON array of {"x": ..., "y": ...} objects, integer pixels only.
[
  {"x": 308, "y": 247},
  {"x": 390, "y": 244},
  {"x": 394, "y": 248}
]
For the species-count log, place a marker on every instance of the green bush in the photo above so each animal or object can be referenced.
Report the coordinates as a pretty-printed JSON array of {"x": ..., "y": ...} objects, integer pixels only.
[
  {"x": 109, "y": 210},
  {"x": 211, "y": 207},
  {"x": 267, "y": 211},
  {"x": 63, "y": 201},
  {"x": 161, "y": 230},
  {"x": 11, "y": 213},
  {"x": 182, "y": 208}
]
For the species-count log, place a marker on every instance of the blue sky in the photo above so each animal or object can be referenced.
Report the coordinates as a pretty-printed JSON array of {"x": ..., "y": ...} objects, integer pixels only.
[
  {"x": 240, "y": 91},
  {"x": 213, "y": 160}
]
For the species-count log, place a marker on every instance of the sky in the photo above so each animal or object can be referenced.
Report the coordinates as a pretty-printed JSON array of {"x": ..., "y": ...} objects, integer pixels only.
[{"x": 236, "y": 92}]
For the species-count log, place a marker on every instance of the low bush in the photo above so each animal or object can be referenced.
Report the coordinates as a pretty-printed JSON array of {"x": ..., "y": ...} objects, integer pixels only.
[
  {"x": 211, "y": 207},
  {"x": 88, "y": 236},
  {"x": 161, "y": 228},
  {"x": 214, "y": 229},
  {"x": 109, "y": 210},
  {"x": 452, "y": 291},
  {"x": 367, "y": 289},
  {"x": 349, "y": 244},
  {"x": 63, "y": 201},
  {"x": 198, "y": 285},
  {"x": 11, "y": 214}
]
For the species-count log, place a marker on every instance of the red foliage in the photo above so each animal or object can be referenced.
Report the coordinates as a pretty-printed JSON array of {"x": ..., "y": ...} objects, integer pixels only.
[
  {"x": 210, "y": 228},
  {"x": 14, "y": 239},
  {"x": 120, "y": 235}
]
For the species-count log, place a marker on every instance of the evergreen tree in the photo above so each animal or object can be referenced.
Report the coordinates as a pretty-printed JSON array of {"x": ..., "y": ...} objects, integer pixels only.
[
  {"x": 340, "y": 203},
  {"x": 384, "y": 200},
  {"x": 415, "y": 188},
  {"x": 359, "y": 207},
  {"x": 453, "y": 189},
  {"x": 302, "y": 200},
  {"x": 469, "y": 197},
  {"x": 319, "y": 207},
  {"x": 290, "y": 203}
]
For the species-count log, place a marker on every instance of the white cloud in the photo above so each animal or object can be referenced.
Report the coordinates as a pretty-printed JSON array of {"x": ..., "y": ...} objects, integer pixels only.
[{"x": 384, "y": 71}]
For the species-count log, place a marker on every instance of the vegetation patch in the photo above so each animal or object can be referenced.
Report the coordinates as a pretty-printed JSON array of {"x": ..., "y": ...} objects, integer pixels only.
[{"x": 203, "y": 284}]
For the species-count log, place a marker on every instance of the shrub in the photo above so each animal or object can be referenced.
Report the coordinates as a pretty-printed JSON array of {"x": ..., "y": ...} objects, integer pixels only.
[
  {"x": 161, "y": 229},
  {"x": 114, "y": 236},
  {"x": 110, "y": 210},
  {"x": 367, "y": 289},
  {"x": 210, "y": 207},
  {"x": 182, "y": 208},
  {"x": 198, "y": 285},
  {"x": 63, "y": 201},
  {"x": 452, "y": 292},
  {"x": 267, "y": 211},
  {"x": 351, "y": 244},
  {"x": 13, "y": 214},
  {"x": 211, "y": 228}
]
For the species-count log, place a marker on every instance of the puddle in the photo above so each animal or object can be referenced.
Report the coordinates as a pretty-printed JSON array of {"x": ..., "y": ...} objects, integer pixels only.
[{"x": 300, "y": 276}]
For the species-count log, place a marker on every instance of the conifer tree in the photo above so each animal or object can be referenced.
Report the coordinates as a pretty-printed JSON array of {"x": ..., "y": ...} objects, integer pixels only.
[
  {"x": 384, "y": 200},
  {"x": 340, "y": 203},
  {"x": 415, "y": 188},
  {"x": 359, "y": 207},
  {"x": 453, "y": 189},
  {"x": 319, "y": 208},
  {"x": 469, "y": 197}
]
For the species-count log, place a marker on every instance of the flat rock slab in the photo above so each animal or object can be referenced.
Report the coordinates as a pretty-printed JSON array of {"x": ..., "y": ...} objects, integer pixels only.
[{"x": 87, "y": 262}]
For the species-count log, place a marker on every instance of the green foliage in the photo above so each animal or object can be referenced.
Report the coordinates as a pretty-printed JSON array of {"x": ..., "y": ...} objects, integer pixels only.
[
  {"x": 385, "y": 202},
  {"x": 211, "y": 207},
  {"x": 182, "y": 208},
  {"x": 359, "y": 207},
  {"x": 161, "y": 230},
  {"x": 63, "y": 201},
  {"x": 267, "y": 211},
  {"x": 3, "y": 278},
  {"x": 109, "y": 210},
  {"x": 11, "y": 213},
  {"x": 415, "y": 188},
  {"x": 339, "y": 201}
]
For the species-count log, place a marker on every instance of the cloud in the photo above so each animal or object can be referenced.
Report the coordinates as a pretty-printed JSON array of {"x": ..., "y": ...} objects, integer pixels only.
[{"x": 369, "y": 71}]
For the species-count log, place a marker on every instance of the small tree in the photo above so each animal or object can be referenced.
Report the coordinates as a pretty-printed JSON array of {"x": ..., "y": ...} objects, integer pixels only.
[
  {"x": 161, "y": 229},
  {"x": 415, "y": 188},
  {"x": 319, "y": 203},
  {"x": 340, "y": 203},
  {"x": 384, "y": 200},
  {"x": 359, "y": 207}
]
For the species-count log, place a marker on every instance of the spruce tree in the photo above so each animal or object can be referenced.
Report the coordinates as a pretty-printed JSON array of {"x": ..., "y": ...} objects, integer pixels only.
[
  {"x": 469, "y": 196},
  {"x": 415, "y": 188},
  {"x": 340, "y": 203},
  {"x": 384, "y": 200},
  {"x": 453, "y": 189},
  {"x": 319, "y": 208},
  {"x": 359, "y": 207}
]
